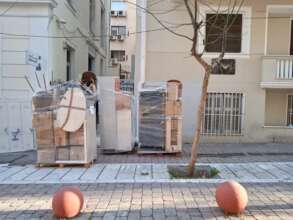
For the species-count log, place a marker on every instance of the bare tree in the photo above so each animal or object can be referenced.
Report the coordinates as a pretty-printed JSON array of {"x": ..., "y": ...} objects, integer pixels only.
[{"x": 197, "y": 22}]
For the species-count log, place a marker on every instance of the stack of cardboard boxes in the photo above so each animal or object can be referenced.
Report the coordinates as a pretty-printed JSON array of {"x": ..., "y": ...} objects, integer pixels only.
[
  {"x": 56, "y": 146},
  {"x": 174, "y": 117},
  {"x": 160, "y": 129}
]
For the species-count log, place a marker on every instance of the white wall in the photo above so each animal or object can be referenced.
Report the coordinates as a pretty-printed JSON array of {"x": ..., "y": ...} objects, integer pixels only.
[{"x": 40, "y": 18}]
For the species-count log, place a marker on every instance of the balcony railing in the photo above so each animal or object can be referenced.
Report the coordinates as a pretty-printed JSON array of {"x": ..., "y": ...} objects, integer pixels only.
[
  {"x": 284, "y": 68},
  {"x": 127, "y": 85},
  {"x": 277, "y": 72}
]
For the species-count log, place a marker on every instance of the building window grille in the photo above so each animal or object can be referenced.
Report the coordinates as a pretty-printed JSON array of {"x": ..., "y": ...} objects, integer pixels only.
[
  {"x": 118, "y": 31},
  {"x": 223, "y": 114},
  {"x": 215, "y": 25},
  {"x": 120, "y": 55}
]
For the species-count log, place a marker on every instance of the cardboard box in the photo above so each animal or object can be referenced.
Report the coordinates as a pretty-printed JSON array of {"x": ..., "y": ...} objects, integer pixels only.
[
  {"x": 173, "y": 135},
  {"x": 63, "y": 154},
  {"x": 77, "y": 138},
  {"x": 61, "y": 137},
  {"x": 43, "y": 125},
  {"x": 173, "y": 108},
  {"x": 77, "y": 153},
  {"x": 122, "y": 101},
  {"x": 46, "y": 156},
  {"x": 174, "y": 90},
  {"x": 43, "y": 120}
]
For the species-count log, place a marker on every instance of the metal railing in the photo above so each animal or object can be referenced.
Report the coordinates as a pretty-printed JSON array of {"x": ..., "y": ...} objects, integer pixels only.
[
  {"x": 284, "y": 68},
  {"x": 127, "y": 85},
  {"x": 223, "y": 114}
]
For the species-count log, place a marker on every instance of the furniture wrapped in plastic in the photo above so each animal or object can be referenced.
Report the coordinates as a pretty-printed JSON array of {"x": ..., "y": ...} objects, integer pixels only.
[
  {"x": 152, "y": 127},
  {"x": 52, "y": 119},
  {"x": 116, "y": 117},
  {"x": 160, "y": 118}
]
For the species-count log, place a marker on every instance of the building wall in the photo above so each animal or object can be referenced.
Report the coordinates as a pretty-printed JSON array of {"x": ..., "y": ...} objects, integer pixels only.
[
  {"x": 29, "y": 23},
  {"x": 129, "y": 43},
  {"x": 276, "y": 107},
  {"x": 168, "y": 57},
  {"x": 279, "y": 28},
  {"x": 77, "y": 24}
]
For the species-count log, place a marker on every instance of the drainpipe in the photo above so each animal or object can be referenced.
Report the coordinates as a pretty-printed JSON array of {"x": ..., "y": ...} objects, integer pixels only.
[{"x": 140, "y": 58}]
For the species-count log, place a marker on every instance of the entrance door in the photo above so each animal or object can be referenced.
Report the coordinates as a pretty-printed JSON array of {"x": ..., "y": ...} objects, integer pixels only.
[{"x": 291, "y": 46}]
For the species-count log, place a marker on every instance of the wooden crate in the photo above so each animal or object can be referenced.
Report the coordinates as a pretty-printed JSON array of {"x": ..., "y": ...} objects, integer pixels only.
[
  {"x": 46, "y": 156},
  {"x": 173, "y": 135},
  {"x": 63, "y": 154},
  {"x": 43, "y": 124},
  {"x": 55, "y": 146},
  {"x": 174, "y": 90},
  {"x": 173, "y": 108},
  {"x": 63, "y": 138},
  {"x": 77, "y": 153}
]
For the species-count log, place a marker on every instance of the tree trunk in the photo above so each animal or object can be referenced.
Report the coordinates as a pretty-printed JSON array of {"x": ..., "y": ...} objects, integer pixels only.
[{"x": 200, "y": 112}]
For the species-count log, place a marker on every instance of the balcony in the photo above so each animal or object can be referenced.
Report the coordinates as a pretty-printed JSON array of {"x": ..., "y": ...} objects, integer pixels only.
[{"x": 277, "y": 72}]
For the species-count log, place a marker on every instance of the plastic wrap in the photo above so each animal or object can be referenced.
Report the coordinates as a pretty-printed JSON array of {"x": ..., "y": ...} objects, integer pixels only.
[
  {"x": 160, "y": 124},
  {"x": 53, "y": 143},
  {"x": 152, "y": 126},
  {"x": 117, "y": 117}
]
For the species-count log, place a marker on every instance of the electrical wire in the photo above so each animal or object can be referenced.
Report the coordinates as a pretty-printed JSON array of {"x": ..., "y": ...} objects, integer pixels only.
[{"x": 9, "y": 8}]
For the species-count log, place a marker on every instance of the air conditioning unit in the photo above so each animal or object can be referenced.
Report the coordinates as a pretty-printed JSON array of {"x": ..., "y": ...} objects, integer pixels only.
[
  {"x": 114, "y": 61},
  {"x": 122, "y": 13},
  {"x": 113, "y": 37},
  {"x": 114, "y": 13},
  {"x": 121, "y": 37}
]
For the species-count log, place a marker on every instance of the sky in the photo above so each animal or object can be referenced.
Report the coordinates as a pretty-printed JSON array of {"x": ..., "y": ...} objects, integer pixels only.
[{"x": 116, "y": 6}]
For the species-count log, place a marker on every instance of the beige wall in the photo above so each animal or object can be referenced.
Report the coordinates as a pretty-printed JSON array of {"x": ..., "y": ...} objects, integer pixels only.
[
  {"x": 77, "y": 24},
  {"x": 276, "y": 107},
  {"x": 279, "y": 33},
  {"x": 168, "y": 57}
]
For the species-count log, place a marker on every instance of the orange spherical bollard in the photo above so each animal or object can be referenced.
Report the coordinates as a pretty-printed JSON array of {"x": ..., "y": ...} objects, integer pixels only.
[
  {"x": 231, "y": 197},
  {"x": 67, "y": 202}
]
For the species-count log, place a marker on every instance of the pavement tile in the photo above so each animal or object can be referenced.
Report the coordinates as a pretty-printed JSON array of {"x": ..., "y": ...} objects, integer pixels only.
[{"x": 266, "y": 201}]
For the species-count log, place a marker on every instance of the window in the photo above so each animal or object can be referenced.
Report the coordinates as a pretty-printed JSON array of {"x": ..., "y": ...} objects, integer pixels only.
[
  {"x": 223, "y": 114},
  {"x": 225, "y": 67},
  {"x": 69, "y": 63},
  {"x": 119, "y": 55},
  {"x": 290, "y": 111},
  {"x": 118, "y": 30},
  {"x": 92, "y": 15},
  {"x": 214, "y": 34},
  {"x": 91, "y": 63}
]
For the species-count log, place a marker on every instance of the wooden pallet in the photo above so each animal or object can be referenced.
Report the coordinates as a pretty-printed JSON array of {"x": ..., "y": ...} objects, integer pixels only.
[
  {"x": 113, "y": 151},
  {"x": 62, "y": 165},
  {"x": 153, "y": 151}
]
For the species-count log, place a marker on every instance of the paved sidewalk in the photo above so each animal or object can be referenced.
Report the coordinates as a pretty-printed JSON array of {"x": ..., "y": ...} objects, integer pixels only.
[
  {"x": 208, "y": 153},
  {"x": 147, "y": 201},
  {"x": 142, "y": 173}
]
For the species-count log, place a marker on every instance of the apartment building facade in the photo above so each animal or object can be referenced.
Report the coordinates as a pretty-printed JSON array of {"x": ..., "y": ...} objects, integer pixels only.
[
  {"x": 56, "y": 40},
  {"x": 252, "y": 99},
  {"x": 122, "y": 41}
]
